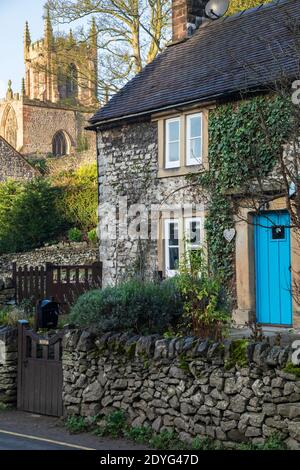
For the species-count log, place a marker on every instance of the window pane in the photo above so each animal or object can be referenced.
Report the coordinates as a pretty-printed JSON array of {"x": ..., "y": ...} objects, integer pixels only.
[
  {"x": 173, "y": 234},
  {"x": 173, "y": 131},
  {"x": 195, "y": 126},
  {"x": 173, "y": 258},
  {"x": 174, "y": 152},
  {"x": 195, "y": 232},
  {"x": 195, "y": 149}
]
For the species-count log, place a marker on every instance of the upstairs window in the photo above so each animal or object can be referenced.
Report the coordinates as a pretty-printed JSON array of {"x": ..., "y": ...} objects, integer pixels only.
[
  {"x": 172, "y": 150},
  {"x": 182, "y": 142},
  {"x": 194, "y": 139}
]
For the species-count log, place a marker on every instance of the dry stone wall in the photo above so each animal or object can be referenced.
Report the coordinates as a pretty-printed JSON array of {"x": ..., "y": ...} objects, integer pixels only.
[
  {"x": 61, "y": 253},
  {"x": 8, "y": 365},
  {"x": 183, "y": 385}
]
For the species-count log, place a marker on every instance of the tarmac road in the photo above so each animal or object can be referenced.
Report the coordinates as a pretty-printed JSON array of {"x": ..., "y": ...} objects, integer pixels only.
[
  {"x": 16, "y": 441},
  {"x": 26, "y": 431}
]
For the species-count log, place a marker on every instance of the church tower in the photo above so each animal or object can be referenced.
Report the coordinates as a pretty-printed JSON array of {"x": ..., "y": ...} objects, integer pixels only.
[
  {"x": 58, "y": 96},
  {"x": 60, "y": 69}
]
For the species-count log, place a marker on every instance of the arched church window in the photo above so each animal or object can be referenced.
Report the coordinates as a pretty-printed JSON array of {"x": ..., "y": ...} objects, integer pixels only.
[
  {"x": 72, "y": 82},
  {"x": 11, "y": 127},
  {"x": 59, "y": 144}
]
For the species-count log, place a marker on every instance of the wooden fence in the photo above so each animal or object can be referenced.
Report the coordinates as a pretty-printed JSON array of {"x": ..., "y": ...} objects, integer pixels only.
[{"x": 64, "y": 283}]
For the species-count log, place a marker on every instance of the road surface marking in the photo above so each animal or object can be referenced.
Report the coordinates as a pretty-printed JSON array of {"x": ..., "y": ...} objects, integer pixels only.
[{"x": 50, "y": 441}]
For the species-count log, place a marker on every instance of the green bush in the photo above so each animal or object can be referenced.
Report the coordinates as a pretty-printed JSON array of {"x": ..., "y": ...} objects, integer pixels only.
[
  {"x": 92, "y": 236},
  {"x": 82, "y": 143},
  {"x": 204, "y": 306},
  {"x": 141, "y": 435},
  {"x": 28, "y": 215},
  {"x": 113, "y": 425},
  {"x": 10, "y": 315},
  {"x": 75, "y": 235},
  {"x": 76, "y": 424},
  {"x": 133, "y": 306},
  {"x": 40, "y": 164},
  {"x": 167, "y": 440},
  {"x": 274, "y": 442},
  {"x": 79, "y": 202}
]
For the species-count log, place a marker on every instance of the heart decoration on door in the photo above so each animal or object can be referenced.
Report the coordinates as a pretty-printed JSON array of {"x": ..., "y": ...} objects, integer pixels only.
[{"x": 229, "y": 234}]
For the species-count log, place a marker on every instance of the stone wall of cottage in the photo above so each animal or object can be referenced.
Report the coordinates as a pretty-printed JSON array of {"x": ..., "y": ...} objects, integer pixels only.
[
  {"x": 186, "y": 385},
  {"x": 8, "y": 365},
  {"x": 128, "y": 167}
]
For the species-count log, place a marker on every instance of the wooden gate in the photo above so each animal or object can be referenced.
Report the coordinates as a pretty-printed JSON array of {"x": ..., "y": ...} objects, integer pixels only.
[
  {"x": 40, "y": 375},
  {"x": 64, "y": 283}
]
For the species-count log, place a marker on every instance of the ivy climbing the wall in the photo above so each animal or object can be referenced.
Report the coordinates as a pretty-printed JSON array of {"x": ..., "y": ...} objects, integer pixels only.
[{"x": 245, "y": 141}]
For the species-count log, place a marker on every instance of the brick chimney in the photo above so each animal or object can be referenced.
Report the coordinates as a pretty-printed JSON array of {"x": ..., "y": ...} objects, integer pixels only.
[{"x": 184, "y": 17}]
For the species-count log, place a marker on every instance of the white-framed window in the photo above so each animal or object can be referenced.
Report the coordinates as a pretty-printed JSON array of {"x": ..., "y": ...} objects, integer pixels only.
[
  {"x": 194, "y": 139},
  {"x": 171, "y": 230},
  {"x": 180, "y": 235},
  {"x": 193, "y": 233},
  {"x": 172, "y": 150}
]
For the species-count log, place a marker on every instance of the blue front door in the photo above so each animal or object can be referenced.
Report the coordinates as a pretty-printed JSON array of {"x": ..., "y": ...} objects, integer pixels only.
[{"x": 273, "y": 268}]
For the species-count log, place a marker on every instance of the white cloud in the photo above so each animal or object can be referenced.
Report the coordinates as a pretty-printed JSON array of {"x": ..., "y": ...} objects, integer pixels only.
[{"x": 2, "y": 89}]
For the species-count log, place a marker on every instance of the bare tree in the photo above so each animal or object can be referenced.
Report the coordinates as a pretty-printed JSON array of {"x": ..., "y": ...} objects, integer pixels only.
[{"x": 130, "y": 34}]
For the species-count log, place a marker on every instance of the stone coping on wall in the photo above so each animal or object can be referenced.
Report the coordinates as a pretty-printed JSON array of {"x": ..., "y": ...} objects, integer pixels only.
[
  {"x": 60, "y": 253},
  {"x": 155, "y": 347},
  {"x": 191, "y": 386}
]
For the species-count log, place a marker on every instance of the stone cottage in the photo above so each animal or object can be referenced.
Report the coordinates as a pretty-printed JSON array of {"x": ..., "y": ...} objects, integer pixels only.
[
  {"x": 154, "y": 133},
  {"x": 59, "y": 94}
]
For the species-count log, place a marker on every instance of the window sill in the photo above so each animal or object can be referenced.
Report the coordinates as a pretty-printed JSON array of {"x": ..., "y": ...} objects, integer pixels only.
[{"x": 180, "y": 171}]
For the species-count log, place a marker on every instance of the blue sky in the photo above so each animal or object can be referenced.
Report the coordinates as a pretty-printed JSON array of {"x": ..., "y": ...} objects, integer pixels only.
[{"x": 13, "y": 14}]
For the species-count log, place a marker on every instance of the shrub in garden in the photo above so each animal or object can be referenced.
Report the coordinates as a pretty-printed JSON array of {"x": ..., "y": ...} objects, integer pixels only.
[
  {"x": 133, "y": 306},
  {"x": 92, "y": 236},
  {"x": 10, "y": 316},
  {"x": 204, "y": 310},
  {"x": 79, "y": 202},
  {"x": 28, "y": 214},
  {"x": 75, "y": 235},
  {"x": 40, "y": 164}
]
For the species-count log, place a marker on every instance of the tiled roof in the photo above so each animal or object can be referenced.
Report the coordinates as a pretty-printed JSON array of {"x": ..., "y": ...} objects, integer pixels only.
[{"x": 248, "y": 50}]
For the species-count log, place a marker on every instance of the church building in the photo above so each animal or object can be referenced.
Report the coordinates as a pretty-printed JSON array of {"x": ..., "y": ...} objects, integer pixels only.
[{"x": 59, "y": 95}]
